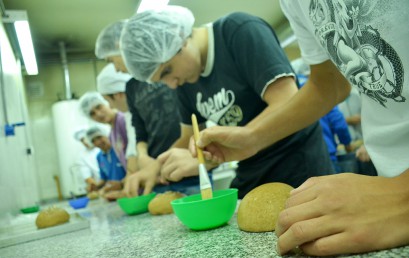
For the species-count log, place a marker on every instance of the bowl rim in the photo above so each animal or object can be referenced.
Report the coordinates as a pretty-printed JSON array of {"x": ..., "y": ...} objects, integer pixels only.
[
  {"x": 180, "y": 200},
  {"x": 135, "y": 197},
  {"x": 85, "y": 198}
]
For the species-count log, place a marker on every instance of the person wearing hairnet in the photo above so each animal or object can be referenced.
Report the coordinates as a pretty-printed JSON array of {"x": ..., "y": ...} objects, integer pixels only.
[
  {"x": 111, "y": 85},
  {"x": 111, "y": 170},
  {"x": 232, "y": 72},
  {"x": 86, "y": 164},
  {"x": 95, "y": 107},
  {"x": 346, "y": 43},
  {"x": 156, "y": 121}
]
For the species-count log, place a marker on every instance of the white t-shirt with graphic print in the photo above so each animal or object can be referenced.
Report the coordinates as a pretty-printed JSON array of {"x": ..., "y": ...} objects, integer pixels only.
[{"x": 369, "y": 44}]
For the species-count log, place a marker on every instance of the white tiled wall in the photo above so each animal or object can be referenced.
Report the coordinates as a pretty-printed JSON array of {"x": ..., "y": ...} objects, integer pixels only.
[{"x": 18, "y": 182}]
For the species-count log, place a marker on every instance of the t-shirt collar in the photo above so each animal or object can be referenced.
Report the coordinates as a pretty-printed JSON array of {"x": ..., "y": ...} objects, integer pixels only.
[{"x": 210, "y": 51}]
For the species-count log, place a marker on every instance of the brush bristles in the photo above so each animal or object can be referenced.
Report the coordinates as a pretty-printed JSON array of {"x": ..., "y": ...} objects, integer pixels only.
[{"x": 207, "y": 193}]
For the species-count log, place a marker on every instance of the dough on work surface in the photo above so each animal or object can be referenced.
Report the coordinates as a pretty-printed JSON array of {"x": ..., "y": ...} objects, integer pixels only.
[
  {"x": 51, "y": 217},
  {"x": 259, "y": 209},
  {"x": 161, "y": 203},
  {"x": 93, "y": 195}
]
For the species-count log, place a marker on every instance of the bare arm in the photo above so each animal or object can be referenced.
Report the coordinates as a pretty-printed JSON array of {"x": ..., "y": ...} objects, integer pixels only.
[
  {"x": 325, "y": 88},
  {"x": 185, "y": 133}
]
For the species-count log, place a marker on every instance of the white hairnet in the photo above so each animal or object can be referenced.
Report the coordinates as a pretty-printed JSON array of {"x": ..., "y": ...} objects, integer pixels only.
[
  {"x": 90, "y": 100},
  {"x": 153, "y": 37},
  {"x": 107, "y": 43},
  {"x": 95, "y": 131},
  {"x": 109, "y": 81},
  {"x": 80, "y": 133}
]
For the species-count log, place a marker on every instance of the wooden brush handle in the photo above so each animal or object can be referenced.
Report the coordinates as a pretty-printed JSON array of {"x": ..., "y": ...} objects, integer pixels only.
[{"x": 196, "y": 137}]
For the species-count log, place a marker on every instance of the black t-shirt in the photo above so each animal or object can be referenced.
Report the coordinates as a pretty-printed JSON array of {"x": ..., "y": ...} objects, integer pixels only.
[
  {"x": 155, "y": 115},
  {"x": 247, "y": 58}
]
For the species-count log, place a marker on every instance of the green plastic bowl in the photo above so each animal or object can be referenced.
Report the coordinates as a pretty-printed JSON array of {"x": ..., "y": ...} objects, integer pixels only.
[
  {"x": 135, "y": 205},
  {"x": 31, "y": 209},
  {"x": 198, "y": 214}
]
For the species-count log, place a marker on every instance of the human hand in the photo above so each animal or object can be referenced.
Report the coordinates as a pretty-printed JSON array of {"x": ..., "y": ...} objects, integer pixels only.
[
  {"x": 145, "y": 178},
  {"x": 131, "y": 165},
  {"x": 345, "y": 213},
  {"x": 112, "y": 185},
  {"x": 362, "y": 154},
  {"x": 176, "y": 164},
  {"x": 349, "y": 147},
  {"x": 225, "y": 143},
  {"x": 114, "y": 195},
  {"x": 354, "y": 120}
]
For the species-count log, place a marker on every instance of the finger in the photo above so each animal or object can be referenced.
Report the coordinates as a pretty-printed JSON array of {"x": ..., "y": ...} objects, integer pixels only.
[
  {"x": 148, "y": 187},
  {"x": 167, "y": 169},
  {"x": 310, "y": 182},
  {"x": 290, "y": 216},
  {"x": 206, "y": 137},
  {"x": 163, "y": 157},
  {"x": 333, "y": 245},
  {"x": 304, "y": 232},
  {"x": 192, "y": 147},
  {"x": 212, "y": 158},
  {"x": 177, "y": 175},
  {"x": 134, "y": 186},
  {"x": 299, "y": 198}
]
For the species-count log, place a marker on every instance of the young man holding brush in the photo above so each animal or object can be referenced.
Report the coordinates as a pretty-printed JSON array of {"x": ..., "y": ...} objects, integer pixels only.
[
  {"x": 155, "y": 119},
  {"x": 231, "y": 72}
]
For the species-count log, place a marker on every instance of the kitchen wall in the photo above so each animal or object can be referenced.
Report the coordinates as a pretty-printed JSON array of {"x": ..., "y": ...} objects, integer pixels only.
[
  {"x": 18, "y": 181},
  {"x": 50, "y": 80}
]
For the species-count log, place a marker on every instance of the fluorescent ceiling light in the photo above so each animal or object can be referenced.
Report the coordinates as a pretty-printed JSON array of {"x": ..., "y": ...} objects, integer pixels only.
[
  {"x": 26, "y": 46},
  {"x": 151, "y": 4}
]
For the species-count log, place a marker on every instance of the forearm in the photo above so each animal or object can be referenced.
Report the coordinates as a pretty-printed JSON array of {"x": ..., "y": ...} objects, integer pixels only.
[
  {"x": 143, "y": 156},
  {"x": 314, "y": 100}
]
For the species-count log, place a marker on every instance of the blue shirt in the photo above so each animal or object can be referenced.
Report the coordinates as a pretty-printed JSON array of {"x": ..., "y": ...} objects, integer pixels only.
[
  {"x": 110, "y": 167},
  {"x": 333, "y": 124}
]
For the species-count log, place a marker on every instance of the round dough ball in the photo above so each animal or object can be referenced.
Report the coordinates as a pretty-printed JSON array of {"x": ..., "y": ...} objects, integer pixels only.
[
  {"x": 161, "y": 203},
  {"x": 51, "y": 217},
  {"x": 93, "y": 195},
  {"x": 259, "y": 209}
]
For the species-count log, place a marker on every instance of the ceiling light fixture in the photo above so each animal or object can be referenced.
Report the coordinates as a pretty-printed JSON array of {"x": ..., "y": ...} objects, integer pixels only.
[
  {"x": 22, "y": 28},
  {"x": 151, "y": 4}
]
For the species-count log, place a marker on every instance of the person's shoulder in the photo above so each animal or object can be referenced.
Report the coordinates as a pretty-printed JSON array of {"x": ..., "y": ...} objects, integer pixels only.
[
  {"x": 239, "y": 17},
  {"x": 132, "y": 83}
]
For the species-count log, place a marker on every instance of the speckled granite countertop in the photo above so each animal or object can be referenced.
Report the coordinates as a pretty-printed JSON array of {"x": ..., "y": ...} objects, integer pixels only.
[{"x": 114, "y": 234}]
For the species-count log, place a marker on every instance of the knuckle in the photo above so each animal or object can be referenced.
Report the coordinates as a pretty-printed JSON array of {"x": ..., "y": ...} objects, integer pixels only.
[
  {"x": 284, "y": 219},
  {"x": 298, "y": 231}
]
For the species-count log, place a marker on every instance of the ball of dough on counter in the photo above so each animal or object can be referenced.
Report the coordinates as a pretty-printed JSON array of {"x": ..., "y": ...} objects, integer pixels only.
[
  {"x": 51, "y": 217},
  {"x": 161, "y": 203},
  {"x": 93, "y": 195},
  {"x": 259, "y": 209}
]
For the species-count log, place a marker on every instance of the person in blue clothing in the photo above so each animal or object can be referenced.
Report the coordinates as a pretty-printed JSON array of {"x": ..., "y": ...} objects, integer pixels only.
[
  {"x": 111, "y": 170},
  {"x": 334, "y": 124}
]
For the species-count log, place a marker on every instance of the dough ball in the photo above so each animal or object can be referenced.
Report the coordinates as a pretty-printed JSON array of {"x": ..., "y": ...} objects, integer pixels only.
[
  {"x": 51, "y": 217},
  {"x": 259, "y": 209},
  {"x": 93, "y": 195},
  {"x": 161, "y": 203}
]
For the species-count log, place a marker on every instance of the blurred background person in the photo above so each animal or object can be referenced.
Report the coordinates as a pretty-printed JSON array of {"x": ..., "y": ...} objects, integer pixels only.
[
  {"x": 95, "y": 107},
  {"x": 111, "y": 170},
  {"x": 86, "y": 164},
  {"x": 111, "y": 85}
]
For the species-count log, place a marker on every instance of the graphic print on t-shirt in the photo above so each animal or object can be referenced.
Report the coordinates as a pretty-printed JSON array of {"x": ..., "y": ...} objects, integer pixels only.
[
  {"x": 358, "y": 49},
  {"x": 220, "y": 109}
]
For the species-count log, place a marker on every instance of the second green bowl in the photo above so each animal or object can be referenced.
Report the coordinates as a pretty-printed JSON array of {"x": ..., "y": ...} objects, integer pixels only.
[{"x": 135, "y": 205}]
